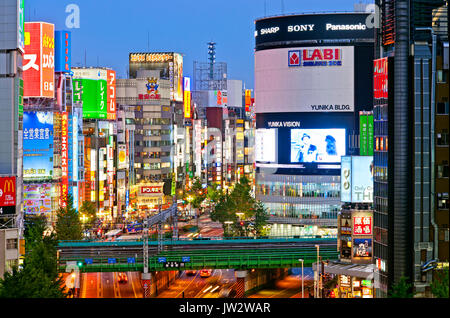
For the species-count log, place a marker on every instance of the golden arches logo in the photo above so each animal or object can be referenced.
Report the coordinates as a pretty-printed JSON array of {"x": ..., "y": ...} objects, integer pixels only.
[{"x": 9, "y": 186}]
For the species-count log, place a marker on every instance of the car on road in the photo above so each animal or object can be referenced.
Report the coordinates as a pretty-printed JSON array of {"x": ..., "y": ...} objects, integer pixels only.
[
  {"x": 191, "y": 272},
  {"x": 122, "y": 278},
  {"x": 205, "y": 273}
]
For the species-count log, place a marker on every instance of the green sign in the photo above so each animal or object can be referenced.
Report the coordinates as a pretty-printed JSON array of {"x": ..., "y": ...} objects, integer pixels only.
[
  {"x": 93, "y": 95},
  {"x": 363, "y": 151},
  {"x": 174, "y": 187},
  {"x": 370, "y": 135},
  {"x": 366, "y": 283}
]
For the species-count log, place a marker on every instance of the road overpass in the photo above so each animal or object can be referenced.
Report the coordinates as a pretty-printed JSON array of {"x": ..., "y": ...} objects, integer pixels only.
[{"x": 237, "y": 254}]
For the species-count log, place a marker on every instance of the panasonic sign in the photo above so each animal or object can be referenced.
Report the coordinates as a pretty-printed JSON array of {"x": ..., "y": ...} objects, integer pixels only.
[{"x": 345, "y": 27}]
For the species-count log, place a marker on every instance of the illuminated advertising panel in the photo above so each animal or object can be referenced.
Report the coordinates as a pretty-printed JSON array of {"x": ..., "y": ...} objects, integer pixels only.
[
  {"x": 90, "y": 87},
  {"x": 346, "y": 179},
  {"x": 37, "y": 145},
  {"x": 312, "y": 79},
  {"x": 21, "y": 26},
  {"x": 310, "y": 27},
  {"x": 178, "y": 77},
  {"x": 380, "y": 78},
  {"x": 317, "y": 145},
  {"x": 64, "y": 158},
  {"x": 7, "y": 195},
  {"x": 151, "y": 190},
  {"x": 37, "y": 198},
  {"x": 362, "y": 225},
  {"x": 357, "y": 179},
  {"x": 265, "y": 145},
  {"x": 248, "y": 100},
  {"x": 111, "y": 100},
  {"x": 122, "y": 157},
  {"x": 39, "y": 60},
  {"x": 63, "y": 51},
  {"x": 187, "y": 97},
  {"x": 362, "y": 248}
]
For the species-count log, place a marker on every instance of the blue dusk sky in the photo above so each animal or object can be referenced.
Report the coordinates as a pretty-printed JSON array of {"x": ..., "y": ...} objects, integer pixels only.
[{"x": 111, "y": 29}]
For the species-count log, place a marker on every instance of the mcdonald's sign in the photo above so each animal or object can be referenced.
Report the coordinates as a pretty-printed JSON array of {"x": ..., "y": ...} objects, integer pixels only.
[{"x": 7, "y": 191}]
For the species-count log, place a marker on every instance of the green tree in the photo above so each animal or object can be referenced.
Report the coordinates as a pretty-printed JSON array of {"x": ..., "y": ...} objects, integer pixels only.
[
  {"x": 68, "y": 224},
  {"x": 89, "y": 209},
  {"x": 439, "y": 286},
  {"x": 247, "y": 214},
  {"x": 401, "y": 289},
  {"x": 39, "y": 277}
]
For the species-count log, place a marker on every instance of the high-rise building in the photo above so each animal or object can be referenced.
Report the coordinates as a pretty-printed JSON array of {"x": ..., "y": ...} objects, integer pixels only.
[
  {"x": 311, "y": 82},
  {"x": 12, "y": 39},
  {"x": 407, "y": 126}
]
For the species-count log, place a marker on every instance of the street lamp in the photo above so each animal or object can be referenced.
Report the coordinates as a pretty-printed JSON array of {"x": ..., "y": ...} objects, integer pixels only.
[
  {"x": 228, "y": 223},
  {"x": 303, "y": 289}
]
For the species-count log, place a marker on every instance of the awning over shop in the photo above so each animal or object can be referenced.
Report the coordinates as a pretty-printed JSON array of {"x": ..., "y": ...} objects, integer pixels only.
[{"x": 354, "y": 270}]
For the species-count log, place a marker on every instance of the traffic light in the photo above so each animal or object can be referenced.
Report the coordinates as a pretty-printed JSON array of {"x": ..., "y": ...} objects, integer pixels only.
[
  {"x": 80, "y": 264},
  {"x": 242, "y": 223}
]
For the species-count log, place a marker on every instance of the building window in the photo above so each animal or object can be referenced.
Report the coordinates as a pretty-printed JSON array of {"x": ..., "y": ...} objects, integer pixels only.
[
  {"x": 442, "y": 171},
  {"x": 442, "y": 201},
  {"x": 442, "y": 139},
  {"x": 11, "y": 244},
  {"x": 441, "y": 76},
  {"x": 442, "y": 108}
]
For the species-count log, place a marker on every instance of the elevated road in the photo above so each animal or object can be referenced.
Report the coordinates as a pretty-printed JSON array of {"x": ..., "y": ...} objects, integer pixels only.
[{"x": 220, "y": 254}]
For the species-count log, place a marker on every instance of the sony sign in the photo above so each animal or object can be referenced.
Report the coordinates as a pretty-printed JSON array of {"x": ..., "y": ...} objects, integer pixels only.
[{"x": 300, "y": 28}]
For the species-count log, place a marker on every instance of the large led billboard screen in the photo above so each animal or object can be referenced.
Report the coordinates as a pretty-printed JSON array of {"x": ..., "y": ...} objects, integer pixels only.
[
  {"x": 37, "y": 145},
  {"x": 90, "y": 87},
  {"x": 307, "y": 79},
  {"x": 39, "y": 60},
  {"x": 317, "y": 145}
]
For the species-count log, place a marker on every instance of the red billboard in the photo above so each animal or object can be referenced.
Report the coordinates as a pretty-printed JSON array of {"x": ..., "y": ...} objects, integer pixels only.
[
  {"x": 111, "y": 82},
  {"x": 248, "y": 100},
  {"x": 7, "y": 191},
  {"x": 64, "y": 157},
  {"x": 380, "y": 78},
  {"x": 39, "y": 60},
  {"x": 362, "y": 225}
]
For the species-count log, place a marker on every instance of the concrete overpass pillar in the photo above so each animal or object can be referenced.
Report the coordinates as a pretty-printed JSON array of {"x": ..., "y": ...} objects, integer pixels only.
[
  {"x": 240, "y": 283},
  {"x": 146, "y": 280}
]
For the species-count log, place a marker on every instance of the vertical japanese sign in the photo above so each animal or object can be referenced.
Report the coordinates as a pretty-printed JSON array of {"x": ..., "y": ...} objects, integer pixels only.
[
  {"x": 248, "y": 100},
  {"x": 187, "y": 97},
  {"x": 363, "y": 150},
  {"x": 111, "y": 100},
  {"x": 21, "y": 25},
  {"x": 370, "y": 135},
  {"x": 63, "y": 51},
  {"x": 380, "y": 78},
  {"x": 64, "y": 158}
]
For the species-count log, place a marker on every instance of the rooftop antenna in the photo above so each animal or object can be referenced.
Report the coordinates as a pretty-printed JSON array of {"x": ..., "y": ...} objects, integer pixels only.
[{"x": 211, "y": 58}]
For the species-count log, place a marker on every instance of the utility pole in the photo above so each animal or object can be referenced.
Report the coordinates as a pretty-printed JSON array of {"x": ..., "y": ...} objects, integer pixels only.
[
  {"x": 160, "y": 234},
  {"x": 175, "y": 218}
]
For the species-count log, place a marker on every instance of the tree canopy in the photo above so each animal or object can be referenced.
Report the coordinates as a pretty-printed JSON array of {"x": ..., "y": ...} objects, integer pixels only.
[
  {"x": 39, "y": 277},
  {"x": 68, "y": 225}
]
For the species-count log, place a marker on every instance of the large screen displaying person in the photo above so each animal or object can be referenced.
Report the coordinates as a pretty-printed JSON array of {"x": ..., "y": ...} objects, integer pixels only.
[{"x": 317, "y": 145}]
